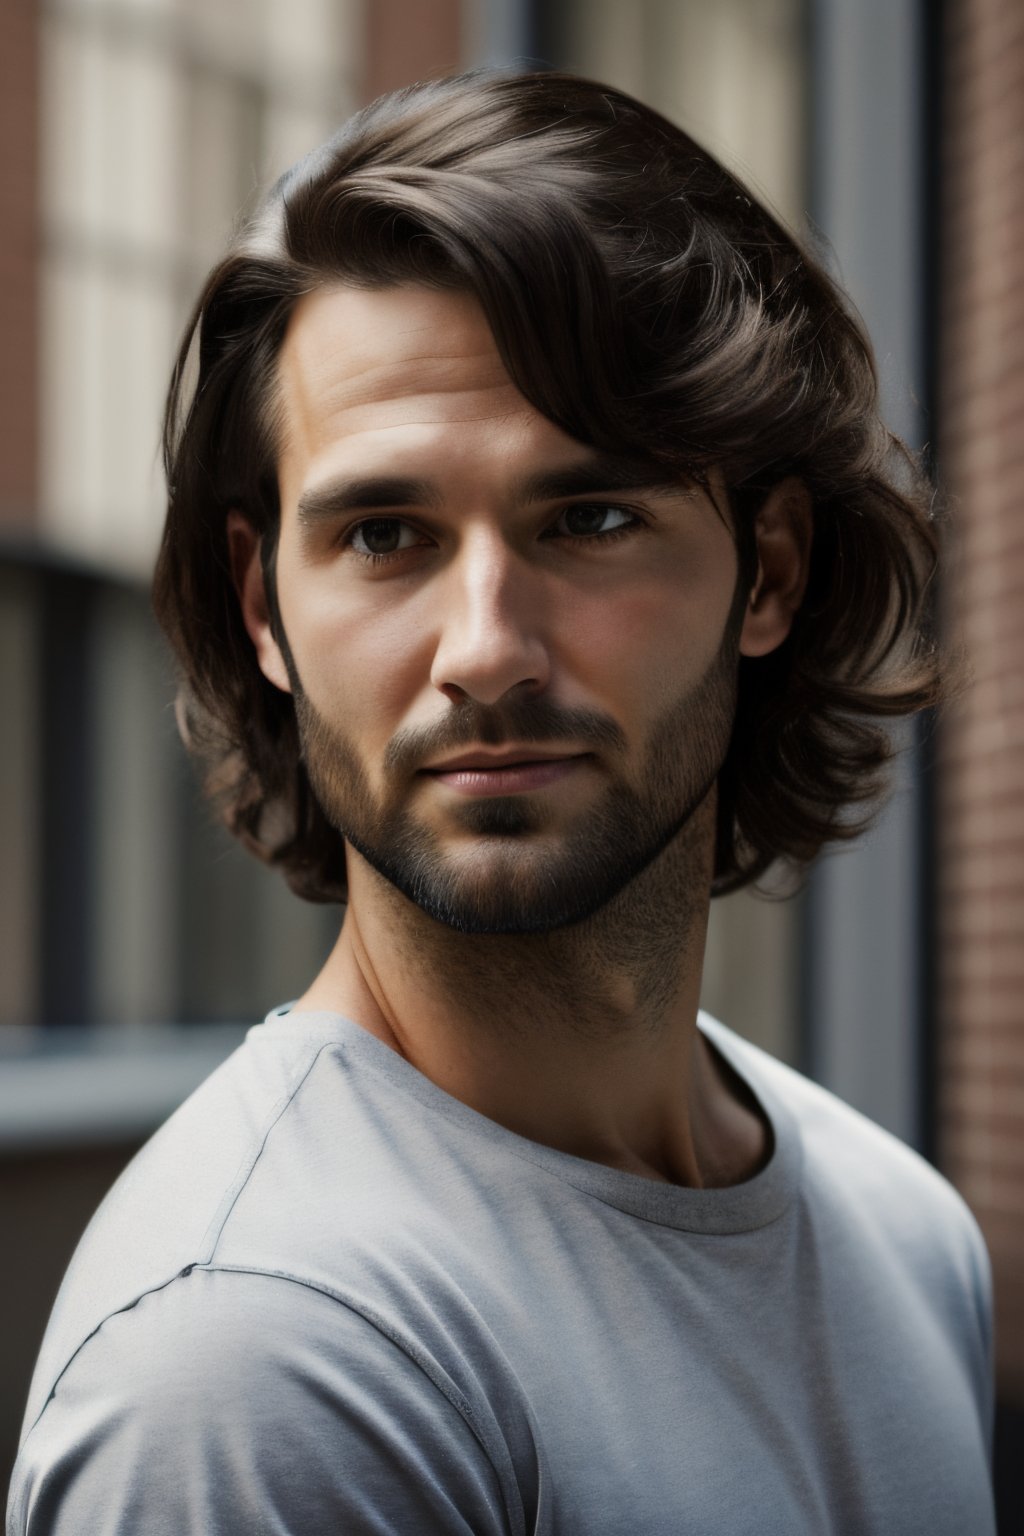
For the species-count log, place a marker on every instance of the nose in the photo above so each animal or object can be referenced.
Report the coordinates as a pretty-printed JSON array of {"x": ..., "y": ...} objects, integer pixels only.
[{"x": 491, "y": 624}]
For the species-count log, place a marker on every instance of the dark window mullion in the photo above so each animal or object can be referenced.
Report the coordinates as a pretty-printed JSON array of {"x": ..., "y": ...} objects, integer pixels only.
[{"x": 67, "y": 604}]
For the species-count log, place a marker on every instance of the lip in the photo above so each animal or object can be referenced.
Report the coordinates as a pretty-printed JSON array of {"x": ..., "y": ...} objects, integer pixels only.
[
  {"x": 516, "y": 771},
  {"x": 480, "y": 760}
]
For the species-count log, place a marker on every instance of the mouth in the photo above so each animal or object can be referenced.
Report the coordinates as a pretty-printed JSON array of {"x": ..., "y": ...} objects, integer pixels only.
[
  {"x": 485, "y": 759},
  {"x": 512, "y": 771}
]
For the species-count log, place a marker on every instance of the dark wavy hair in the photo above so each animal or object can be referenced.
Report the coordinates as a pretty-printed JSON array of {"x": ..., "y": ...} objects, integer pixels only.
[{"x": 647, "y": 304}]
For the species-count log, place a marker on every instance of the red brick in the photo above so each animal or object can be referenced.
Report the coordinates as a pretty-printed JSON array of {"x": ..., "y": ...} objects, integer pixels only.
[{"x": 981, "y": 788}]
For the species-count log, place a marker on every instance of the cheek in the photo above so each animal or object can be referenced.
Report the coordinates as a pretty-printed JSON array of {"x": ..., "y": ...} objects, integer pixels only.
[
  {"x": 643, "y": 647},
  {"x": 360, "y": 666}
]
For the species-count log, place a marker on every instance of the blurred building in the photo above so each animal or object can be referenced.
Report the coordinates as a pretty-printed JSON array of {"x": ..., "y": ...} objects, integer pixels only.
[
  {"x": 980, "y": 825},
  {"x": 136, "y": 942}
]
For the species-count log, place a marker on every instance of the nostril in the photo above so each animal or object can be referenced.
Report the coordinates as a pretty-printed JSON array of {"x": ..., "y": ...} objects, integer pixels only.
[{"x": 489, "y": 666}]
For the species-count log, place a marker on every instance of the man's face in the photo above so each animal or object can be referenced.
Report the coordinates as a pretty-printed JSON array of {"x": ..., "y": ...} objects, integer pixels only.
[{"x": 513, "y": 661}]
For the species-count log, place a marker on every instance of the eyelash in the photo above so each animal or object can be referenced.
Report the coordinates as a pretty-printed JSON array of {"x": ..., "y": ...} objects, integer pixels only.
[
  {"x": 633, "y": 526},
  {"x": 608, "y": 536}
]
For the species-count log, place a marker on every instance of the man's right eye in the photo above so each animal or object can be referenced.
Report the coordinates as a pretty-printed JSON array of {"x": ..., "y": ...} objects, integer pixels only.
[{"x": 379, "y": 536}]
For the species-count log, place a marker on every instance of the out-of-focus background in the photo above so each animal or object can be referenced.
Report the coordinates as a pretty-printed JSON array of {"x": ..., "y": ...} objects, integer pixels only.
[{"x": 136, "y": 942}]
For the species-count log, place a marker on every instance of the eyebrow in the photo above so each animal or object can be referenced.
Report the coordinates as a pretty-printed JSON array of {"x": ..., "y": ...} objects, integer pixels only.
[
  {"x": 368, "y": 493},
  {"x": 597, "y": 476},
  {"x": 364, "y": 494}
]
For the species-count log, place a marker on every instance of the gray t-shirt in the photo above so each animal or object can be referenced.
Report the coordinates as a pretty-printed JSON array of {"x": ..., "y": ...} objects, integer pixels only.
[{"x": 328, "y": 1298}]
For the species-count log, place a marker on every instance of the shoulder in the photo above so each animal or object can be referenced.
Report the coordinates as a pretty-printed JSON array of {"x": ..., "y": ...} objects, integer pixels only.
[
  {"x": 856, "y": 1173},
  {"x": 215, "y": 1310},
  {"x": 880, "y": 1227},
  {"x": 166, "y": 1209},
  {"x": 271, "y": 1406}
]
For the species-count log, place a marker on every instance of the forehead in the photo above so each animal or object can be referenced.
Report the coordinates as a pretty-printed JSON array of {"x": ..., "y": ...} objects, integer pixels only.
[
  {"x": 405, "y": 380},
  {"x": 355, "y": 357}
]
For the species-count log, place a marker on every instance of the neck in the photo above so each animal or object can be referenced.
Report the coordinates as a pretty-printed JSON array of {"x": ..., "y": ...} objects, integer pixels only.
[{"x": 583, "y": 1038}]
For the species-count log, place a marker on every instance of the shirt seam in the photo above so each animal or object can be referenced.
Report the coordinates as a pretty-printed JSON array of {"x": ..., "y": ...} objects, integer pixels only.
[
  {"x": 505, "y": 1478},
  {"x": 215, "y": 1229},
  {"x": 211, "y": 1238}
]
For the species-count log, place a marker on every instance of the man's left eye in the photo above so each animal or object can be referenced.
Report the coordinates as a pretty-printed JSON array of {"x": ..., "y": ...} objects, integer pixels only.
[{"x": 587, "y": 519}]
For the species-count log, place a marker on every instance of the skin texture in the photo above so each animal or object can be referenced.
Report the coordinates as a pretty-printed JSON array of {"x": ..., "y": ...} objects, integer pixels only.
[{"x": 515, "y": 713}]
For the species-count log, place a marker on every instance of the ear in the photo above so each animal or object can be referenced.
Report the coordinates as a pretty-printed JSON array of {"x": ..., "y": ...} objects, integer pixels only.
[
  {"x": 247, "y": 573},
  {"x": 783, "y": 532}
]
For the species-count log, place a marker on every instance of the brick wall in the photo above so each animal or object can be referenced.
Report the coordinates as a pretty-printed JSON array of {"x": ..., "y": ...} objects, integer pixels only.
[
  {"x": 410, "y": 42},
  {"x": 982, "y": 795}
]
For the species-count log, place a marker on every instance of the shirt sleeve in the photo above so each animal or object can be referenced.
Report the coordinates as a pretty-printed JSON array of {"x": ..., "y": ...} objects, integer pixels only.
[{"x": 230, "y": 1402}]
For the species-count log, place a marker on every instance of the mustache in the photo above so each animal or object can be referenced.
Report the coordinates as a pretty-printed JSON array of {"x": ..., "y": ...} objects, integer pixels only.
[{"x": 536, "y": 721}]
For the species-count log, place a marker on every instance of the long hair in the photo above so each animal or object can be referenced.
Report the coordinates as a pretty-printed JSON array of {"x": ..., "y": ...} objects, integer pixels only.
[{"x": 646, "y": 303}]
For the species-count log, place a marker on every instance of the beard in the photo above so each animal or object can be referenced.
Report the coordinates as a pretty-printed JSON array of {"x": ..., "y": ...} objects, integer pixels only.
[{"x": 512, "y": 869}]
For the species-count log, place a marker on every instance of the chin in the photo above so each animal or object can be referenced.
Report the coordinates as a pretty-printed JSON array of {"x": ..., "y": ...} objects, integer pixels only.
[{"x": 513, "y": 888}]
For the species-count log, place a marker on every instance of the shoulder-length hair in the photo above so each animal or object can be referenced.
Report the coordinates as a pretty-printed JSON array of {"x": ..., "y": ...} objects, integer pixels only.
[{"x": 646, "y": 303}]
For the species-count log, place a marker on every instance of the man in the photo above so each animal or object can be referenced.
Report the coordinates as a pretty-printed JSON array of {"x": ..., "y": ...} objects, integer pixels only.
[{"x": 538, "y": 567}]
